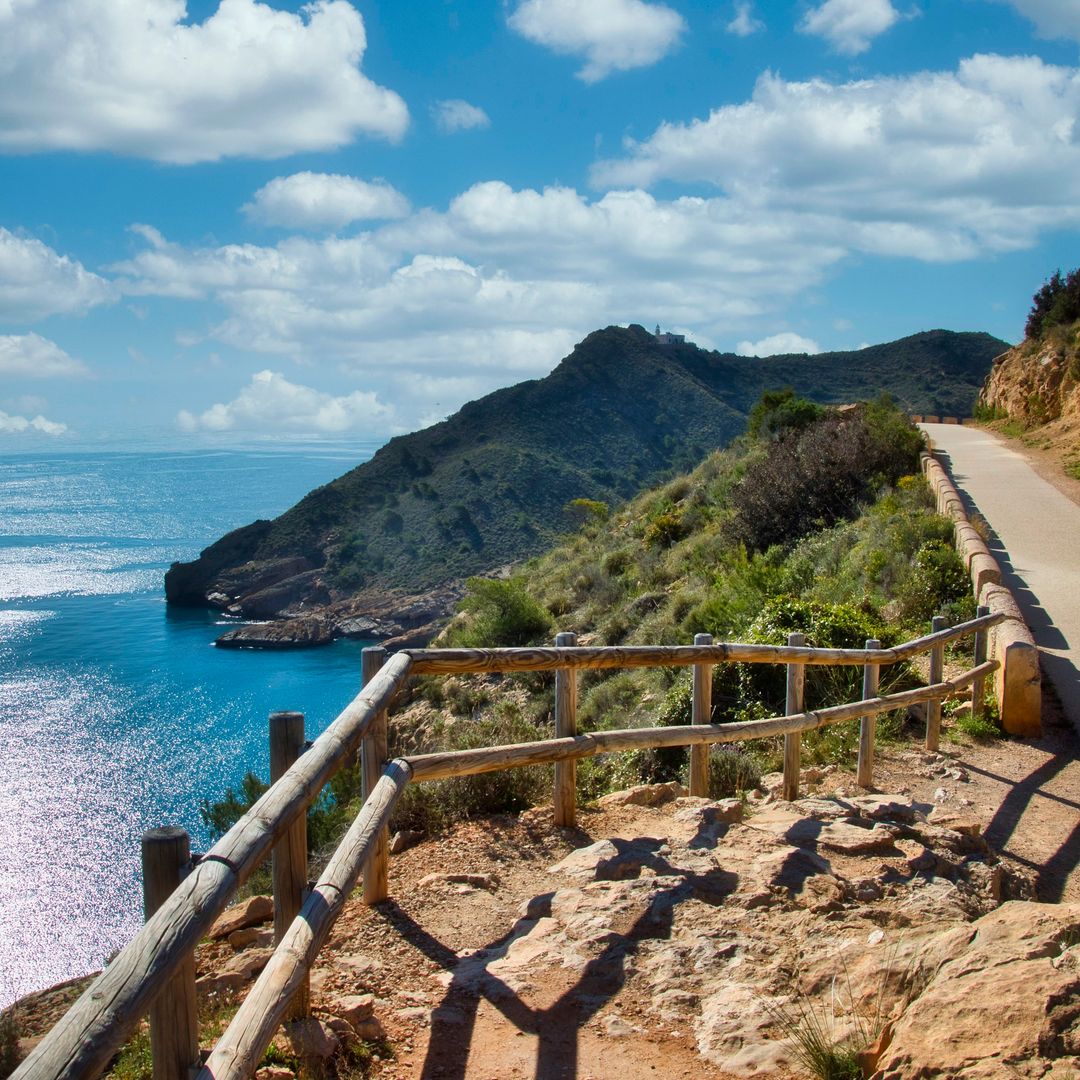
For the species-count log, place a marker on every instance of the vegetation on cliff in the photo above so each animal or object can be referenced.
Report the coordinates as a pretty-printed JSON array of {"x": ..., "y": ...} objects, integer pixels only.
[
  {"x": 491, "y": 484},
  {"x": 859, "y": 553},
  {"x": 1033, "y": 390}
]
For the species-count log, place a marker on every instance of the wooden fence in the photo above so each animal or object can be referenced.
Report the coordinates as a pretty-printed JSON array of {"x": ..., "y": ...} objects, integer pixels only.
[{"x": 154, "y": 974}]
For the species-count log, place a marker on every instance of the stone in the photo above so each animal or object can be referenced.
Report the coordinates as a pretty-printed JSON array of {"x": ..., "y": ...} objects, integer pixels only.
[
  {"x": 789, "y": 868},
  {"x": 249, "y": 912},
  {"x": 840, "y": 836},
  {"x": 275, "y": 1072},
  {"x": 617, "y": 1027},
  {"x": 889, "y": 807},
  {"x": 995, "y": 1004},
  {"x": 241, "y": 939},
  {"x": 956, "y": 821},
  {"x": 311, "y": 1039},
  {"x": 612, "y": 860},
  {"x": 644, "y": 795},
  {"x": 353, "y": 1009},
  {"x": 404, "y": 839},
  {"x": 736, "y": 1031}
]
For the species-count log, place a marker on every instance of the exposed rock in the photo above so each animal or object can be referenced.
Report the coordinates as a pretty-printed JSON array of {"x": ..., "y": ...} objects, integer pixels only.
[
  {"x": 404, "y": 839},
  {"x": 241, "y": 939},
  {"x": 310, "y": 1039},
  {"x": 612, "y": 860},
  {"x": 299, "y": 633},
  {"x": 419, "y": 638},
  {"x": 354, "y": 1009},
  {"x": 249, "y": 912},
  {"x": 275, "y": 1072},
  {"x": 644, "y": 795},
  {"x": 737, "y": 1032},
  {"x": 1005, "y": 978}
]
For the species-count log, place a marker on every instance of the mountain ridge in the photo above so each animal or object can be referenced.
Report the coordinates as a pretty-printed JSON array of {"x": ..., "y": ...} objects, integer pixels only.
[{"x": 488, "y": 485}]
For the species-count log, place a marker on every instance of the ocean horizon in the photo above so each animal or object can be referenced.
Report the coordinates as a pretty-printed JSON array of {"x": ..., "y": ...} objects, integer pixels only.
[{"x": 117, "y": 713}]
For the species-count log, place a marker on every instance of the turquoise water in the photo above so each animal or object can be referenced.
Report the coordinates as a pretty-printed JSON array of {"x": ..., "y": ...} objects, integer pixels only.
[{"x": 117, "y": 714}]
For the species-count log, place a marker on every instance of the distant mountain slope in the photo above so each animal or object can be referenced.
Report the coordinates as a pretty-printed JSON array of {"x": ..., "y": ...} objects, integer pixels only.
[{"x": 488, "y": 485}]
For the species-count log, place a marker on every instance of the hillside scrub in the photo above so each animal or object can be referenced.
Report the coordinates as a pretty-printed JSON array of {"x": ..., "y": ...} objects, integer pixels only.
[{"x": 873, "y": 560}]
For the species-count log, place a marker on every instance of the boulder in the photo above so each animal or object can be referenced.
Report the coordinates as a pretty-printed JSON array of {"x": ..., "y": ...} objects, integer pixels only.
[
  {"x": 249, "y": 912},
  {"x": 644, "y": 795},
  {"x": 997, "y": 1007},
  {"x": 612, "y": 860}
]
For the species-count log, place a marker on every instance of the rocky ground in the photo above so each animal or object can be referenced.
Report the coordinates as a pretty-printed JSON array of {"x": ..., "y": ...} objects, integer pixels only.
[{"x": 687, "y": 938}]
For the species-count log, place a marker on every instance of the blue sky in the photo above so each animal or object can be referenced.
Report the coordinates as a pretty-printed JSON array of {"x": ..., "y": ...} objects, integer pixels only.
[{"x": 226, "y": 222}]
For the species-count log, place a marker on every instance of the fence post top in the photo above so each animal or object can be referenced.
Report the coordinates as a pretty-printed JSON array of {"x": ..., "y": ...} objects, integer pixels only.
[
  {"x": 164, "y": 834},
  {"x": 565, "y": 638},
  {"x": 703, "y": 639},
  {"x": 281, "y": 715}
]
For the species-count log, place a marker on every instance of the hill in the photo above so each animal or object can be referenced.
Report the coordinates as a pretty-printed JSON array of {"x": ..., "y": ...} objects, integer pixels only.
[{"x": 490, "y": 484}]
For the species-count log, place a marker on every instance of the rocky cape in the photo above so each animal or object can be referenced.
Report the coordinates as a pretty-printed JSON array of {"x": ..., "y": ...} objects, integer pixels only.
[{"x": 382, "y": 552}]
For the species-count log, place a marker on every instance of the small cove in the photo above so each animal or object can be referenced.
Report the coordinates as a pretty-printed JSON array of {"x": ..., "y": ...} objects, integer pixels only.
[{"x": 117, "y": 714}]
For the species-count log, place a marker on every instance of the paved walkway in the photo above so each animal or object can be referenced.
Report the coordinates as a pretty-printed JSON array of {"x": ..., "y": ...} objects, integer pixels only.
[{"x": 1036, "y": 538}]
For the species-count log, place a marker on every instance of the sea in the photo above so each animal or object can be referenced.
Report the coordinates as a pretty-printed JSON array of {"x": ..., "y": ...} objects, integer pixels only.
[{"x": 117, "y": 713}]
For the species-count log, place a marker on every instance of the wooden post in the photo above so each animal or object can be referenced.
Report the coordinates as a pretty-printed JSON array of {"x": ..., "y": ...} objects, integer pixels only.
[
  {"x": 290, "y": 858},
  {"x": 174, "y": 1015},
  {"x": 373, "y": 754},
  {"x": 796, "y": 685},
  {"x": 937, "y": 673},
  {"x": 978, "y": 687},
  {"x": 702, "y": 714},
  {"x": 565, "y": 795},
  {"x": 868, "y": 724}
]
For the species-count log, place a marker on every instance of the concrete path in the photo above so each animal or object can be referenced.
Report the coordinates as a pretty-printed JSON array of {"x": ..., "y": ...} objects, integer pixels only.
[{"x": 1036, "y": 539}]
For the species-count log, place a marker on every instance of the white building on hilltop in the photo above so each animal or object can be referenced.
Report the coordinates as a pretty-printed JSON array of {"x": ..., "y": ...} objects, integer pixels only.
[{"x": 669, "y": 339}]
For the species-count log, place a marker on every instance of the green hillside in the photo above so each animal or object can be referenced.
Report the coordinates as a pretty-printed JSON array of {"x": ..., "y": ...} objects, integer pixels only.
[{"x": 489, "y": 485}]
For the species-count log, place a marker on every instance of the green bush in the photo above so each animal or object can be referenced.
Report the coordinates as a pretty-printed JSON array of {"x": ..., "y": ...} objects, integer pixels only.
[
  {"x": 936, "y": 583},
  {"x": 502, "y": 613},
  {"x": 1057, "y": 303}
]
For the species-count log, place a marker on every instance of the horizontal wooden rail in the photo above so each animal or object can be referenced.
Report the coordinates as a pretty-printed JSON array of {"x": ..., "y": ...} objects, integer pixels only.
[
  {"x": 239, "y": 1051},
  {"x": 85, "y": 1039},
  {"x": 492, "y": 759},
  {"x": 457, "y": 661}
]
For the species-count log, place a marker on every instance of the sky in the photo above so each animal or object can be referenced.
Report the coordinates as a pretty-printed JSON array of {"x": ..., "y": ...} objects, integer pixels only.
[{"x": 222, "y": 223}]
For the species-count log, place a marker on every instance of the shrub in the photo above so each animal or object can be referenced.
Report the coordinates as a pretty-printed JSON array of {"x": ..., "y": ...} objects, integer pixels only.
[
  {"x": 502, "y": 614},
  {"x": 937, "y": 581},
  {"x": 1057, "y": 303},
  {"x": 780, "y": 411},
  {"x": 732, "y": 770},
  {"x": 814, "y": 477},
  {"x": 9, "y": 1043}
]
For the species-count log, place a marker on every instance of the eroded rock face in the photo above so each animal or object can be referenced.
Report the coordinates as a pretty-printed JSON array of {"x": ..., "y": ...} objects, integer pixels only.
[{"x": 1006, "y": 1004}]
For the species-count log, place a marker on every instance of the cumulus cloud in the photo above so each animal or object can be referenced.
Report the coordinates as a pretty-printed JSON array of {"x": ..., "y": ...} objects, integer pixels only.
[
  {"x": 36, "y": 282},
  {"x": 308, "y": 200},
  {"x": 1052, "y": 18},
  {"x": 21, "y": 425},
  {"x": 778, "y": 345},
  {"x": 936, "y": 166},
  {"x": 850, "y": 25},
  {"x": 134, "y": 77},
  {"x": 745, "y": 22},
  {"x": 35, "y": 357},
  {"x": 612, "y": 35},
  {"x": 270, "y": 403},
  {"x": 453, "y": 115}
]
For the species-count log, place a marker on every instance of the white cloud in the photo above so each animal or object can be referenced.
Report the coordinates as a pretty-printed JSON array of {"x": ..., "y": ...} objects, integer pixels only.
[
  {"x": 745, "y": 22},
  {"x": 308, "y": 200},
  {"x": 935, "y": 166},
  {"x": 850, "y": 25},
  {"x": 612, "y": 35},
  {"x": 453, "y": 115},
  {"x": 36, "y": 282},
  {"x": 1052, "y": 18},
  {"x": 134, "y": 77},
  {"x": 34, "y": 357},
  {"x": 777, "y": 345},
  {"x": 21, "y": 425},
  {"x": 270, "y": 403}
]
